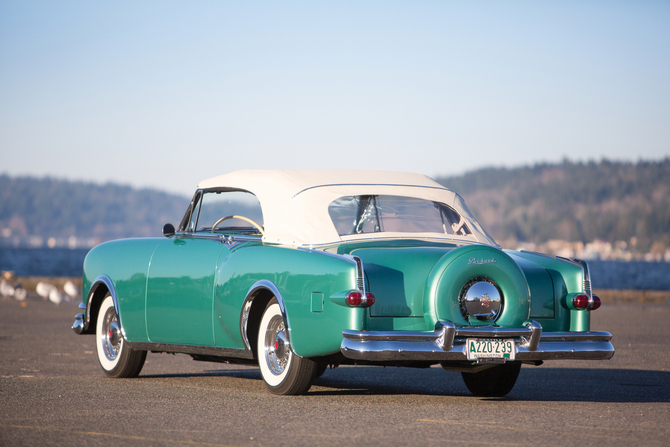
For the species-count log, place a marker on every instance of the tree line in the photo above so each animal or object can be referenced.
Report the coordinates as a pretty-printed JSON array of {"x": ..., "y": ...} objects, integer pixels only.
[
  {"x": 572, "y": 201},
  {"x": 59, "y": 208}
]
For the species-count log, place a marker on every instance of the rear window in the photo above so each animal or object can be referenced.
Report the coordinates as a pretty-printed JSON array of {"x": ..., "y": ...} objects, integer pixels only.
[{"x": 383, "y": 213}]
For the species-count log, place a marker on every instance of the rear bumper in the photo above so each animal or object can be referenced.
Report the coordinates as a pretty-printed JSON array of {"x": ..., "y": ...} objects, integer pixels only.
[{"x": 447, "y": 343}]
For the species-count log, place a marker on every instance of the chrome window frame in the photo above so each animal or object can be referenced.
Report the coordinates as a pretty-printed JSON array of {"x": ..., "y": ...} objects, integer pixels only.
[{"x": 197, "y": 202}]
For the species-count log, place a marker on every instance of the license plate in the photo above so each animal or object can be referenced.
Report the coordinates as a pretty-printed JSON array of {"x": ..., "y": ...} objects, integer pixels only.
[{"x": 478, "y": 348}]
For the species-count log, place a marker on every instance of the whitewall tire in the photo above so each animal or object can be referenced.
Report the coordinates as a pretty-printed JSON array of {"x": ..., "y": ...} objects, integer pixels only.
[
  {"x": 283, "y": 371},
  {"x": 115, "y": 357}
]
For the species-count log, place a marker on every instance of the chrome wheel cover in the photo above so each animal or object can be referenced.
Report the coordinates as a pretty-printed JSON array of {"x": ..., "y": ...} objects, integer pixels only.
[
  {"x": 481, "y": 299},
  {"x": 111, "y": 339},
  {"x": 277, "y": 346}
]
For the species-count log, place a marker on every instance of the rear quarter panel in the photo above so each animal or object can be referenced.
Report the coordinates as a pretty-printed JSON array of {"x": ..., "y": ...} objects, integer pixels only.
[
  {"x": 298, "y": 274},
  {"x": 566, "y": 278}
]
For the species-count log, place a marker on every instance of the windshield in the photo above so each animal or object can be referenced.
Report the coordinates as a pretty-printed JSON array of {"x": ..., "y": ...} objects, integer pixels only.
[
  {"x": 212, "y": 206},
  {"x": 382, "y": 213}
]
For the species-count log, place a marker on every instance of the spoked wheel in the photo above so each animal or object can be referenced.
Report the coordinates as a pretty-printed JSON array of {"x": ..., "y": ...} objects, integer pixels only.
[
  {"x": 282, "y": 370},
  {"x": 493, "y": 382},
  {"x": 116, "y": 359}
]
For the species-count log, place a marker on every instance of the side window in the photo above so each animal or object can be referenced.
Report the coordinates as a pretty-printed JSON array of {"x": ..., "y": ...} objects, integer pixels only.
[{"x": 216, "y": 205}]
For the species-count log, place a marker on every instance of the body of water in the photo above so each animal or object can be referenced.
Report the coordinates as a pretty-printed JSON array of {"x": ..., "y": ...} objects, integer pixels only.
[
  {"x": 43, "y": 261},
  {"x": 639, "y": 275},
  {"x": 634, "y": 275}
]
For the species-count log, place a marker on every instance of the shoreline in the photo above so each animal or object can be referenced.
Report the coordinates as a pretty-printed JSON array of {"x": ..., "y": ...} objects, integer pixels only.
[{"x": 607, "y": 296}]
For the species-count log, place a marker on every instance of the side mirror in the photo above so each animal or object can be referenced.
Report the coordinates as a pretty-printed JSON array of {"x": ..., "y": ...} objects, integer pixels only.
[{"x": 168, "y": 230}]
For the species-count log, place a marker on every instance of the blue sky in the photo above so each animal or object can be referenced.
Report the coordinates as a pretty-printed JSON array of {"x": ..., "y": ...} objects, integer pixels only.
[{"x": 164, "y": 93}]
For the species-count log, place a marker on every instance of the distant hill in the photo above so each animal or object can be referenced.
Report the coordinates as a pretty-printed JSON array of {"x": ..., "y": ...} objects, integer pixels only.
[
  {"x": 579, "y": 202},
  {"x": 606, "y": 200},
  {"x": 32, "y": 210}
]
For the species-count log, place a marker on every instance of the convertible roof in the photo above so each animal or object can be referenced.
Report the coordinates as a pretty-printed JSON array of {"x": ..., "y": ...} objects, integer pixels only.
[{"x": 295, "y": 202}]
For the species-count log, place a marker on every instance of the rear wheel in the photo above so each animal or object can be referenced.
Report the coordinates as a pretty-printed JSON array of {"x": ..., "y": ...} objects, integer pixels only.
[
  {"x": 116, "y": 358},
  {"x": 493, "y": 382},
  {"x": 282, "y": 370}
]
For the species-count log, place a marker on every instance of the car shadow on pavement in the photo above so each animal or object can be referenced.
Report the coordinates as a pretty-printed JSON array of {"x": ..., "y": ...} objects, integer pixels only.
[{"x": 534, "y": 384}]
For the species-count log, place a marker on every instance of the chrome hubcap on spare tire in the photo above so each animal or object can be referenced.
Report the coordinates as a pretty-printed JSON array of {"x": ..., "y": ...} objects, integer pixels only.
[{"x": 481, "y": 299}]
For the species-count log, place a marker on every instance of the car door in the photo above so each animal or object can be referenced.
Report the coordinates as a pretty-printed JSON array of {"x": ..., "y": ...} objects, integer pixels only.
[{"x": 180, "y": 290}]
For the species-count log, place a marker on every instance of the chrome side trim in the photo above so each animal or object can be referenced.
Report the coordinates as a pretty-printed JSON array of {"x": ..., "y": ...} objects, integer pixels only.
[
  {"x": 447, "y": 342},
  {"x": 246, "y": 238},
  {"x": 191, "y": 349},
  {"x": 226, "y": 239}
]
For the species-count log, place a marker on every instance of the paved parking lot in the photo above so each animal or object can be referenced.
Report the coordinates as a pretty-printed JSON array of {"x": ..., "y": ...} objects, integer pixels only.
[{"x": 53, "y": 393}]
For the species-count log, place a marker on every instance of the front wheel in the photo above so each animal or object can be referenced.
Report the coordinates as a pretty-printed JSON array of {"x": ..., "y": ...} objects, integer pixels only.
[
  {"x": 283, "y": 371},
  {"x": 116, "y": 358},
  {"x": 493, "y": 382}
]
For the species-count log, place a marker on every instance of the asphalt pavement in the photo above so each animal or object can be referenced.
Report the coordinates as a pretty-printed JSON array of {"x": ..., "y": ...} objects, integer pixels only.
[{"x": 53, "y": 393}]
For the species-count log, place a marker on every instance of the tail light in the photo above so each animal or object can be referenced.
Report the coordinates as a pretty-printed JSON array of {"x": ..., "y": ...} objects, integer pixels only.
[
  {"x": 357, "y": 299},
  {"x": 596, "y": 302},
  {"x": 582, "y": 301}
]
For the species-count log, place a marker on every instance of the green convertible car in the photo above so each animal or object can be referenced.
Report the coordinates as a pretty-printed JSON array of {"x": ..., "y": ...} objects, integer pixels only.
[{"x": 297, "y": 270}]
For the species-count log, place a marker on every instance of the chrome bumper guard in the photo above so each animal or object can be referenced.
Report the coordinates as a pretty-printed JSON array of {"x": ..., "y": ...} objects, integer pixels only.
[
  {"x": 447, "y": 343},
  {"x": 78, "y": 325}
]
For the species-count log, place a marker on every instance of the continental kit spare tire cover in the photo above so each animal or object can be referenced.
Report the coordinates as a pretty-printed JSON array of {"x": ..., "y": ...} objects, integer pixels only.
[{"x": 480, "y": 265}]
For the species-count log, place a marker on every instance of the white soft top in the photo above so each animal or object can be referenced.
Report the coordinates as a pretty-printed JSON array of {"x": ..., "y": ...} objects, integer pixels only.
[{"x": 295, "y": 202}]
